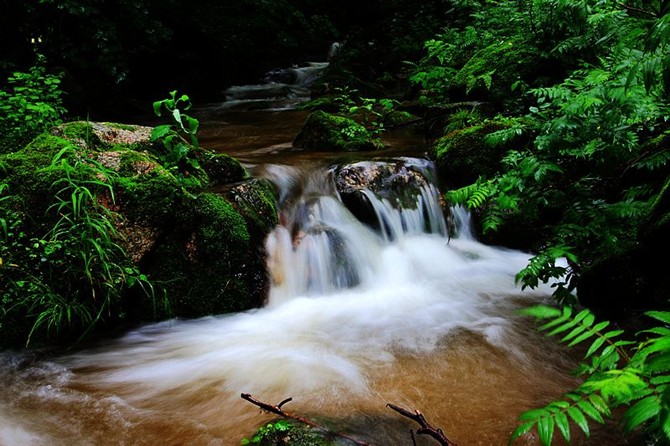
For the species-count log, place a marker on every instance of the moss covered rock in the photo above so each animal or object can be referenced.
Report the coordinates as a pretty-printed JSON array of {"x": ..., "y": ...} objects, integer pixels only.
[
  {"x": 203, "y": 249},
  {"x": 324, "y": 131},
  {"x": 463, "y": 156},
  {"x": 293, "y": 433}
]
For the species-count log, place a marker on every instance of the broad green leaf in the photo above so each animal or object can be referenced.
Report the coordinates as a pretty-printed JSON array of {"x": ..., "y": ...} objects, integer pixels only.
[
  {"x": 160, "y": 131},
  {"x": 157, "y": 107},
  {"x": 579, "y": 418},
  {"x": 641, "y": 412},
  {"x": 563, "y": 425},
  {"x": 545, "y": 428},
  {"x": 521, "y": 430}
]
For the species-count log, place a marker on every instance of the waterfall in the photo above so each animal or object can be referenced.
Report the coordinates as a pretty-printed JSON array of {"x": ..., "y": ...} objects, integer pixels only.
[
  {"x": 321, "y": 247},
  {"x": 358, "y": 317},
  {"x": 280, "y": 89}
]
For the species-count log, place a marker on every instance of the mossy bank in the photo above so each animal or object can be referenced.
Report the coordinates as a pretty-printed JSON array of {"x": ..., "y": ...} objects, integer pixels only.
[{"x": 98, "y": 231}]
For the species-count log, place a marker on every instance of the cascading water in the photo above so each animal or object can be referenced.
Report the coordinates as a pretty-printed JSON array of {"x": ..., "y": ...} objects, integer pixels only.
[
  {"x": 357, "y": 318},
  {"x": 281, "y": 89}
]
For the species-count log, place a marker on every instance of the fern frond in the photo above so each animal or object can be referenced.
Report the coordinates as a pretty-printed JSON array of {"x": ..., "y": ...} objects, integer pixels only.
[{"x": 577, "y": 408}]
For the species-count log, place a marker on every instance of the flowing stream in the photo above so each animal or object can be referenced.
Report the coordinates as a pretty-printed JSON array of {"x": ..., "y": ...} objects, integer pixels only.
[{"x": 357, "y": 318}]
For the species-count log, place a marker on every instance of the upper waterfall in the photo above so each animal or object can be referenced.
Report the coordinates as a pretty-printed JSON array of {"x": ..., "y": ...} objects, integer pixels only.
[{"x": 320, "y": 246}]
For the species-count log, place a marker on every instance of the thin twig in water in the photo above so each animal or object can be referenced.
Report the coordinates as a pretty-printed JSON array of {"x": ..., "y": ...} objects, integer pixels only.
[
  {"x": 277, "y": 410},
  {"x": 426, "y": 428}
]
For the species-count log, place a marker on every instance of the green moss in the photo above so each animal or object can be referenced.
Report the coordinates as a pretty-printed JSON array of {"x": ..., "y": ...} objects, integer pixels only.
[
  {"x": 256, "y": 202},
  {"x": 153, "y": 198},
  {"x": 463, "y": 156},
  {"x": 47, "y": 145},
  {"x": 78, "y": 130},
  {"x": 203, "y": 249},
  {"x": 324, "y": 131},
  {"x": 221, "y": 168},
  {"x": 290, "y": 433},
  {"x": 119, "y": 126},
  {"x": 222, "y": 230}
]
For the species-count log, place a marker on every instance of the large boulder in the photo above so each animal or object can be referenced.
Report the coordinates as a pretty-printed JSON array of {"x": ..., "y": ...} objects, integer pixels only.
[
  {"x": 328, "y": 132},
  {"x": 398, "y": 181},
  {"x": 201, "y": 244}
]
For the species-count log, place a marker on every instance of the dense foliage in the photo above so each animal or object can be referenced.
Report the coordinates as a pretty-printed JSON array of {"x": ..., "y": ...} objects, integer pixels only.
[{"x": 586, "y": 165}]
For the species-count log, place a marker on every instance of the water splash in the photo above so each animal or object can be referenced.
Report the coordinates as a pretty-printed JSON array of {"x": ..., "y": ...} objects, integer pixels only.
[{"x": 356, "y": 319}]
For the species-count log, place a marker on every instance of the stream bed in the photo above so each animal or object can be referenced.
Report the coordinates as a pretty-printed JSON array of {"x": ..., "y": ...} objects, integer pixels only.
[{"x": 419, "y": 320}]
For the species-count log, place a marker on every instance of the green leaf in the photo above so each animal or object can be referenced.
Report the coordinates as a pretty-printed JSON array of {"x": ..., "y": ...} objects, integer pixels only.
[
  {"x": 641, "y": 412},
  {"x": 545, "y": 428},
  {"x": 521, "y": 430},
  {"x": 563, "y": 425},
  {"x": 600, "y": 404},
  {"x": 579, "y": 418},
  {"x": 157, "y": 107},
  {"x": 590, "y": 410},
  {"x": 663, "y": 316},
  {"x": 534, "y": 414},
  {"x": 160, "y": 131},
  {"x": 540, "y": 311}
]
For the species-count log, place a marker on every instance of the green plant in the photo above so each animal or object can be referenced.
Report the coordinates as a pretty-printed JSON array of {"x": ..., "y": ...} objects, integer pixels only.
[
  {"x": 369, "y": 112},
  {"x": 463, "y": 118},
  {"x": 177, "y": 154},
  {"x": 66, "y": 281},
  {"x": 31, "y": 103},
  {"x": 268, "y": 431},
  {"x": 618, "y": 373}
]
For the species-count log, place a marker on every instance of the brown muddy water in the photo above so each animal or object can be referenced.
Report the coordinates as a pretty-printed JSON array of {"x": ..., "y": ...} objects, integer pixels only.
[{"x": 429, "y": 326}]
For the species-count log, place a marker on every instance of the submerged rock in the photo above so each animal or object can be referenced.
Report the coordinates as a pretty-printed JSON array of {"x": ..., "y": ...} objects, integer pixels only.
[{"x": 324, "y": 131}]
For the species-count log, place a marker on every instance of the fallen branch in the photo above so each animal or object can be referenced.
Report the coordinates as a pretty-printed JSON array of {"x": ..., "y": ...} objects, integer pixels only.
[
  {"x": 277, "y": 410},
  {"x": 426, "y": 428}
]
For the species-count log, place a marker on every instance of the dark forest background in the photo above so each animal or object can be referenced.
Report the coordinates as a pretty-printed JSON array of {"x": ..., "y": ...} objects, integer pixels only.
[{"x": 114, "y": 53}]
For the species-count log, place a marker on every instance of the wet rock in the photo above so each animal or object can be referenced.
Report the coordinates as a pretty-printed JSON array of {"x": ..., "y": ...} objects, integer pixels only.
[
  {"x": 204, "y": 248},
  {"x": 399, "y": 181},
  {"x": 328, "y": 132}
]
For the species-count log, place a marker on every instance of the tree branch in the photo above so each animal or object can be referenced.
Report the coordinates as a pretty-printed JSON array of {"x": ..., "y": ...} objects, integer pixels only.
[
  {"x": 277, "y": 410},
  {"x": 641, "y": 11},
  {"x": 426, "y": 428}
]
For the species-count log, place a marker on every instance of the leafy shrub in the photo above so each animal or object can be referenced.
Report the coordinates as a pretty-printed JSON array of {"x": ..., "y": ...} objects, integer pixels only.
[
  {"x": 30, "y": 104},
  {"x": 618, "y": 373},
  {"x": 62, "y": 284},
  {"x": 177, "y": 155}
]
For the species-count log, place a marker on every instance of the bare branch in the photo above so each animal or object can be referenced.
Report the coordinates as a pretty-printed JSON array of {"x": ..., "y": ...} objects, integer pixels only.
[
  {"x": 277, "y": 410},
  {"x": 426, "y": 428}
]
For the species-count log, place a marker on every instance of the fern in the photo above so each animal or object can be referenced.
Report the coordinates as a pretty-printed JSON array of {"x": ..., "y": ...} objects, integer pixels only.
[
  {"x": 620, "y": 373},
  {"x": 474, "y": 195}
]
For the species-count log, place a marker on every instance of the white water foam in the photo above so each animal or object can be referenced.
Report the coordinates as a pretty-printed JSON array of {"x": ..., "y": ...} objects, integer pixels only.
[{"x": 322, "y": 331}]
